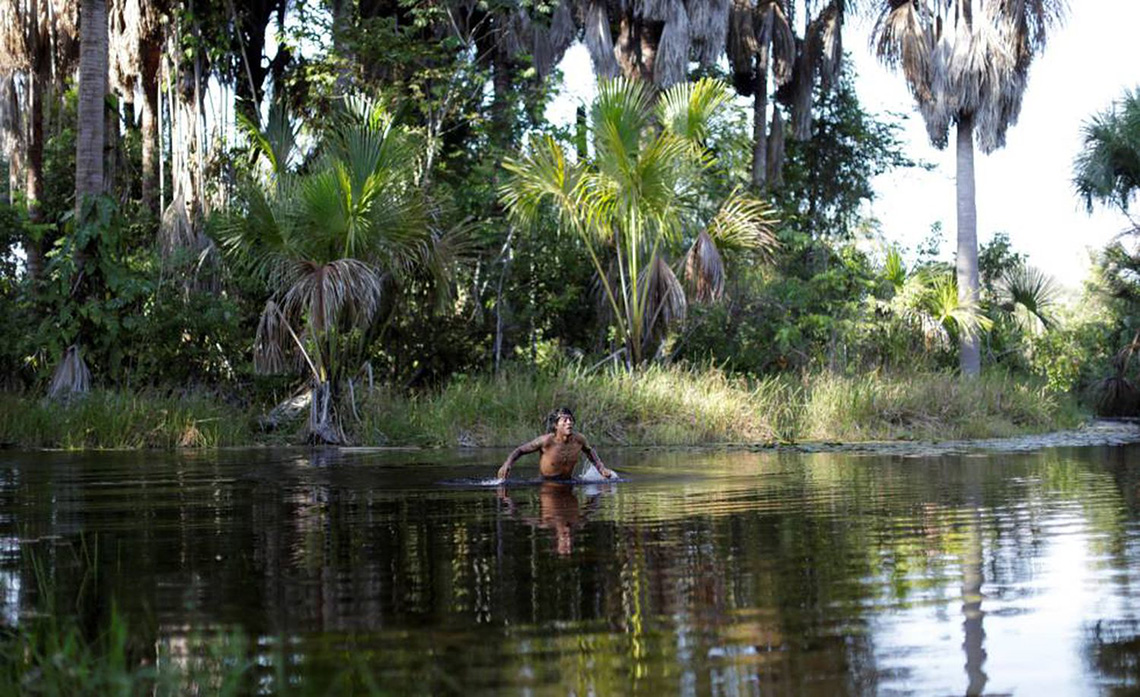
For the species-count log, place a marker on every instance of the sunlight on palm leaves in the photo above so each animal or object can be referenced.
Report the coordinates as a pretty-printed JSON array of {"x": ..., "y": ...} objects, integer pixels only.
[
  {"x": 894, "y": 271},
  {"x": 635, "y": 202},
  {"x": 951, "y": 312},
  {"x": 930, "y": 301},
  {"x": 687, "y": 110}
]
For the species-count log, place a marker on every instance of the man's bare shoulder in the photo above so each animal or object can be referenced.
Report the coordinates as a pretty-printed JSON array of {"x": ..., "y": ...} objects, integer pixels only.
[{"x": 581, "y": 440}]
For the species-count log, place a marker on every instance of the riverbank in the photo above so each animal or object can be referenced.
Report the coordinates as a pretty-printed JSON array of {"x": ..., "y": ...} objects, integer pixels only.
[{"x": 658, "y": 406}]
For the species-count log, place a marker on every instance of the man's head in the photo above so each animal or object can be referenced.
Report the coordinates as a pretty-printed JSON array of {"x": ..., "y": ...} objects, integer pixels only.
[{"x": 560, "y": 420}]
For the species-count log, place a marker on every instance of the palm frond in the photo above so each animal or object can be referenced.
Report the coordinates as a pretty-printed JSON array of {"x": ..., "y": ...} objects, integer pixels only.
[
  {"x": 599, "y": 43},
  {"x": 276, "y": 347},
  {"x": 1030, "y": 296},
  {"x": 540, "y": 178},
  {"x": 744, "y": 223},
  {"x": 894, "y": 270},
  {"x": 443, "y": 254},
  {"x": 277, "y": 142},
  {"x": 708, "y": 26},
  {"x": 339, "y": 294},
  {"x": 965, "y": 318},
  {"x": 1107, "y": 169},
  {"x": 671, "y": 64},
  {"x": 620, "y": 114},
  {"x": 688, "y": 109},
  {"x": 783, "y": 43}
]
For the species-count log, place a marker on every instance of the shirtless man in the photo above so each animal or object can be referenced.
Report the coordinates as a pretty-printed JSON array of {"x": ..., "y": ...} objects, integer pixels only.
[{"x": 558, "y": 450}]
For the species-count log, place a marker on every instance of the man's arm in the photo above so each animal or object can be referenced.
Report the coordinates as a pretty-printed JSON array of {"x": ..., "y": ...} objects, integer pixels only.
[
  {"x": 531, "y": 447},
  {"x": 592, "y": 456}
]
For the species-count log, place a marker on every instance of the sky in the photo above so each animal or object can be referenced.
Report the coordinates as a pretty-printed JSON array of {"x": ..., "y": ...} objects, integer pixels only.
[{"x": 1024, "y": 189}]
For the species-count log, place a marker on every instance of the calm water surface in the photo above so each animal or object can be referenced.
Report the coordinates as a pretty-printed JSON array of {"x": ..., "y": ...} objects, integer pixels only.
[{"x": 724, "y": 573}]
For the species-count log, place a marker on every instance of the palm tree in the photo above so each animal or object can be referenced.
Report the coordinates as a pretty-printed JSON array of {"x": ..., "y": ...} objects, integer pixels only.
[
  {"x": 639, "y": 198},
  {"x": 1108, "y": 167},
  {"x": 967, "y": 64},
  {"x": 332, "y": 244},
  {"x": 71, "y": 375}
]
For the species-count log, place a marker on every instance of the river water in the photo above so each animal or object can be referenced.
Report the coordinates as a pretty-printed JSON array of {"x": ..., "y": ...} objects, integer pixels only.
[{"x": 700, "y": 572}]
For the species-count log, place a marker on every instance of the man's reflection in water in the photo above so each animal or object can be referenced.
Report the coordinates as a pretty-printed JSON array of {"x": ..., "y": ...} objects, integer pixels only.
[{"x": 559, "y": 510}]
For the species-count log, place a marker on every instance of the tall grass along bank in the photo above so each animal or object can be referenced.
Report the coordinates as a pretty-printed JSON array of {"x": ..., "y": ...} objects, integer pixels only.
[
  {"x": 116, "y": 420},
  {"x": 657, "y": 406}
]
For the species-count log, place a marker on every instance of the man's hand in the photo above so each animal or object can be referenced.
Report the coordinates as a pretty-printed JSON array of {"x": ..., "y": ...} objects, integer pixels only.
[
  {"x": 504, "y": 471},
  {"x": 605, "y": 471}
]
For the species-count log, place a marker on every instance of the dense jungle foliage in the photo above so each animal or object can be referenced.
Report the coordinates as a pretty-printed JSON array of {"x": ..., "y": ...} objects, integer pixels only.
[{"x": 355, "y": 202}]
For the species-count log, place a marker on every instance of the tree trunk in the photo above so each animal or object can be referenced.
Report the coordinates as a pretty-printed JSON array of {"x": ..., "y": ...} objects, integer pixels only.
[
  {"x": 34, "y": 176},
  {"x": 760, "y": 130},
  {"x": 324, "y": 427},
  {"x": 71, "y": 375},
  {"x": 967, "y": 259},
  {"x": 152, "y": 55},
  {"x": 92, "y": 93}
]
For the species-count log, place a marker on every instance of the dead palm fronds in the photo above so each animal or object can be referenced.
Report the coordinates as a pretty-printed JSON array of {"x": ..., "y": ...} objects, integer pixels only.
[{"x": 71, "y": 377}]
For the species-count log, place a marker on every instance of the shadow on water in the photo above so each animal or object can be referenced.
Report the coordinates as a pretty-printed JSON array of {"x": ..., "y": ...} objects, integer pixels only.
[{"x": 700, "y": 573}]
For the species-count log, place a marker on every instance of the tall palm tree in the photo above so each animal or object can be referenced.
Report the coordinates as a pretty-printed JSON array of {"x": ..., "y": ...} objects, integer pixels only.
[
  {"x": 967, "y": 64},
  {"x": 637, "y": 202},
  {"x": 71, "y": 375},
  {"x": 332, "y": 244},
  {"x": 1107, "y": 169}
]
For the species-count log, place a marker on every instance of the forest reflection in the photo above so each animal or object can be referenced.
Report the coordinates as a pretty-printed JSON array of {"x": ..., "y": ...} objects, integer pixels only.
[{"x": 702, "y": 573}]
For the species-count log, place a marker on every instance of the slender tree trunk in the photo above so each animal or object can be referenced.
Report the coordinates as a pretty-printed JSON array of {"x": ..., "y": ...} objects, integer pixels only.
[
  {"x": 34, "y": 176},
  {"x": 92, "y": 93},
  {"x": 760, "y": 130},
  {"x": 13, "y": 174},
  {"x": 967, "y": 259},
  {"x": 152, "y": 55}
]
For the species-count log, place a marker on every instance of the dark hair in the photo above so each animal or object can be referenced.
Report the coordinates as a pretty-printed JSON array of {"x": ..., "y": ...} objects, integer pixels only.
[{"x": 553, "y": 417}]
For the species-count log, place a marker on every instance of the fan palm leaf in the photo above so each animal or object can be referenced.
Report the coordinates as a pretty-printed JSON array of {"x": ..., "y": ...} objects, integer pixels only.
[
  {"x": 1029, "y": 295},
  {"x": 744, "y": 222}
]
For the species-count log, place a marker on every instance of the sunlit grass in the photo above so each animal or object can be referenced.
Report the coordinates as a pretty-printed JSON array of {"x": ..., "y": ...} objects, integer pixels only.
[
  {"x": 660, "y": 405},
  {"x": 931, "y": 406},
  {"x": 687, "y": 406}
]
